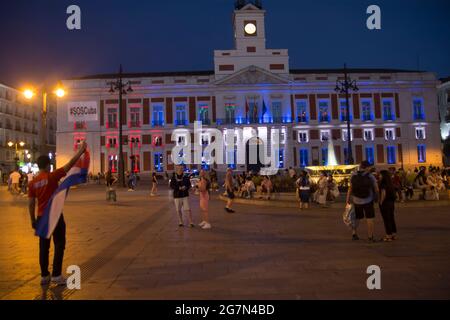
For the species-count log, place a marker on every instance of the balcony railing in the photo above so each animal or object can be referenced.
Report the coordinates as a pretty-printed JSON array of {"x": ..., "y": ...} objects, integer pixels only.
[
  {"x": 205, "y": 122},
  {"x": 157, "y": 123},
  {"x": 419, "y": 116},
  {"x": 181, "y": 122},
  {"x": 302, "y": 119},
  {"x": 111, "y": 125},
  {"x": 134, "y": 124},
  {"x": 80, "y": 125},
  {"x": 367, "y": 117}
]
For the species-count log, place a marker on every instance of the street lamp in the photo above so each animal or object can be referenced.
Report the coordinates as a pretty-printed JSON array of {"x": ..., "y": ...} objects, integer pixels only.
[
  {"x": 119, "y": 85},
  {"x": 344, "y": 87},
  {"x": 29, "y": 93},
  {"x": 16, "y": 144}
]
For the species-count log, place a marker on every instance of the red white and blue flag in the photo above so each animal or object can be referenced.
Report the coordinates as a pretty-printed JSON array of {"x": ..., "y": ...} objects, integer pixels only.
[{"x": 53, "y": 210}]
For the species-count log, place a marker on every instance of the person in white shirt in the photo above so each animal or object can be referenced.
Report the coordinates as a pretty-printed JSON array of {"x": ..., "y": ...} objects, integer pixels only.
[{"x": 15, "y": 180}]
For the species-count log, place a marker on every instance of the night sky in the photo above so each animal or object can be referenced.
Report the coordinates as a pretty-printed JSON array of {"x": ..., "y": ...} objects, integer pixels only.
[{"x": 180, "y": 35}]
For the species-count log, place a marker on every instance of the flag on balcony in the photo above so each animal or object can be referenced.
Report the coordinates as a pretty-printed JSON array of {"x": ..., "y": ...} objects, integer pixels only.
[
  {"x": 247, "y": 108},
  {"x": 264, "y": 108},
  {"x": 52, "y": 213}
]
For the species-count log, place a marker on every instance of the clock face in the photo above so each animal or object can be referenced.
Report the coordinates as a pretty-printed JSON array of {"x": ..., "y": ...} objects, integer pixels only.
[{"x": 250, "y": 28}]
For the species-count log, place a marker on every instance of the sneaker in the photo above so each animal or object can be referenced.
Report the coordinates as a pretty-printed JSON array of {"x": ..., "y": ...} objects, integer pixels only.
[
  {"x": 129, "y": 190},
  {"x": 191, "y": 225},
  {"x": 60, "y": 280},
  {"x": 355, "y": 237},
  {"x": 201, "y": 224},
  {"x": 372, "y": 240},
  {"x": 45, "y": 280},
  {"x": 206, "y": 226},
  {"x": 229, "y": 210},
  {"x": 180, "y": 224}
]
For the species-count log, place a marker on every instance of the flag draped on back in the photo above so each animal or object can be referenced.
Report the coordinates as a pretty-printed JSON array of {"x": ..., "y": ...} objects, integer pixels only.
[{"x": 52, "y": 213}]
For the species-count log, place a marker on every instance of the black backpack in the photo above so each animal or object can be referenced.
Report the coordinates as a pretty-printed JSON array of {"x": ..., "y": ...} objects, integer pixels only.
[{"x": 361, "y": 185}]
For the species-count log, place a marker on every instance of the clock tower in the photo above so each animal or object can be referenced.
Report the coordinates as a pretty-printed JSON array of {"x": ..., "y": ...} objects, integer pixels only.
[{"x": 250, "y": 44}]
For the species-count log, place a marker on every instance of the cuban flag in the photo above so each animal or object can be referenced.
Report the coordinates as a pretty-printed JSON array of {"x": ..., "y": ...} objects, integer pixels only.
[{"x": 52, "y": 213}]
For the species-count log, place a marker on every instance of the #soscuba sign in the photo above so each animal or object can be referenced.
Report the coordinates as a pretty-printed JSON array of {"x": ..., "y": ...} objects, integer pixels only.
[{"x": 82, "y": 111}]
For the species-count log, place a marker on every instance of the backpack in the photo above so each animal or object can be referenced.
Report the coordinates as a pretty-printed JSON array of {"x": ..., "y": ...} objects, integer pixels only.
[{"x": 361, "y": 185}]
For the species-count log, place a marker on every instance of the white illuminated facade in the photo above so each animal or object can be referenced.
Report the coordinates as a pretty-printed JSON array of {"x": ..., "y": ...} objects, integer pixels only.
[{"x": 394, "y": 116}]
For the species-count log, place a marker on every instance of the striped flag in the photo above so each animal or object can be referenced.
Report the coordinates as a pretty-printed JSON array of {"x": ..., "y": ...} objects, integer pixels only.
[{"x": 53, "y": 210}]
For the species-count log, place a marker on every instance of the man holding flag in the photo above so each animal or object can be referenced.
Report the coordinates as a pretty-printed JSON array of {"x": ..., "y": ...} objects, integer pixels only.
[{"x": 50, "y": 200}]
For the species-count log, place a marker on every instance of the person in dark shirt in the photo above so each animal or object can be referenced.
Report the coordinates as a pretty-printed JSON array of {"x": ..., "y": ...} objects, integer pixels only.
[
  {"x": 387, "y": 205},
  {"x": 180, "y": 184}
]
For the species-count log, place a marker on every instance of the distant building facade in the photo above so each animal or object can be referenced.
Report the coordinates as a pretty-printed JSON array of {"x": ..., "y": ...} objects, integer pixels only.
[
  {"x": 394, "y": 115},
  {"x": 444, "y": 112},
  {"x": 21, "y": 121}
]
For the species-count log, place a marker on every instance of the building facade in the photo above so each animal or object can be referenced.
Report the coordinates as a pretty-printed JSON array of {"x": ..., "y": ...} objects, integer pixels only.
[
  {"x": 394, "y": 115},
  {"x": 444, "y": 112},
  {"x": 19, "y": 122}
]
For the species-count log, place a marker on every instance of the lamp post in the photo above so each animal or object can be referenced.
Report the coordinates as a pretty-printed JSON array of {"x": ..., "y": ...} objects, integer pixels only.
[
  {"x": 29, "y": 94},
  {"x": 119, "y": 85},
  {"x": 344, "y": 87},
  {"x": 16, "y": 144}
]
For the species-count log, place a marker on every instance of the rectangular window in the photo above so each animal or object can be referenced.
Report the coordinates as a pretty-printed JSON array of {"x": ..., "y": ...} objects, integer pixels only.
[
  {"x": 180, "y": 117},
  {"x": 302, "y": 111},
  {"x": 366, "y": 108},
  {"x": 421, "y": 153},
  {"x": 418, "y": 109},
  {"x": 343, "y": 110},
  {"x": 158, "y": 162},
  {"x": 420, "y": 133},
  {"x": 388, "y": 112},
  {"x": 203, "y": 114},
  {"x": 389, "y": 134},
  {"x": 368, "y": 134},
  {"x": 391, "y": 155},
  {"x": 135, "y": 118},
  {"x": 345, "y": 134},
  {"x": 324, "y": 156},
  {"x": 324, "y": 115},
  {"x": 112, "y": 142},
  {"x": 158, "y": 116},
  {"x": 112, "y": 118},
  {"x": 346, "y": 156},
  {"x": 303, "y": 137},
  {"x": 304, "y": 158},
  {"x": 113, "y": 163},
  {"x": 325, "y": 135},
  {"x": 230, "y": 113},
  {"x": 181, "y": 141},
  {"x": 157, "y": 141},
  {"x": 370, "y": 155},
  {"x": 280, "y": 158},
  {"x": 276, "y": 112}
]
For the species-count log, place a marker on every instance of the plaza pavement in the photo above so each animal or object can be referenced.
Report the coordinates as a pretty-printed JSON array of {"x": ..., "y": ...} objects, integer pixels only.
[{"x": 135, "y": 250}]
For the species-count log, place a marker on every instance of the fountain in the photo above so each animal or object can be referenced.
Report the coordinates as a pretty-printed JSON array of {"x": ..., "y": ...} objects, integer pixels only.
[{"x": 340, "y": 172}]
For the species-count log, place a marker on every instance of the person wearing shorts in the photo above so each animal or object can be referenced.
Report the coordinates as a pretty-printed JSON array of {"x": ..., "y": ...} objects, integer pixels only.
[
  {"x": 229, "y": 187},
  {"x": 363, "y": 192},
  {"x": 180, "y": 184}
]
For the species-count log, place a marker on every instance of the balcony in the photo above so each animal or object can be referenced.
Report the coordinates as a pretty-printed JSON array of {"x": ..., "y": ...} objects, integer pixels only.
[
  {"x": 79, "y": 125},
  {"x": 367, "y": 117},
  {"x": 302, "y": 119},
  {"x": 419, "y": 116},
  {"x": 157, "y": 123},
  {"x": 111, "y": 125},
  {"x": 205, "y": 122},
  {"x": 181, "y": 122},
  {"x": 134, "y": 124},
  {"x": 114, "y": 146}
]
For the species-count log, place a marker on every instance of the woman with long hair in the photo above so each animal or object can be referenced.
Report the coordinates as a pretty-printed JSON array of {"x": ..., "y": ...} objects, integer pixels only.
[
  {"x": 203, "y": 187},
  {"x": 387, "y": 205}
]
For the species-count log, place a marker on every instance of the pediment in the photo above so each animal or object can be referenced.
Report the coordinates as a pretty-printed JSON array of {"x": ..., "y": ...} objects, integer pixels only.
[{"x": 252, "y": 75}]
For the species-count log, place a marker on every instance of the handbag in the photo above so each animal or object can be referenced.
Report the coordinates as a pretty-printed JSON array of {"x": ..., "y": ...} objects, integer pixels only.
[{"x": 349, "y": 216}]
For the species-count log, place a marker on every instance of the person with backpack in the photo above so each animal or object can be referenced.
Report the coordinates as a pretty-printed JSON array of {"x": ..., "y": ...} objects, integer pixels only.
[
  {"x": 303, "y": 190},
  {"x": 363, "y": 192},
  {"x": 387, "y": 205}
]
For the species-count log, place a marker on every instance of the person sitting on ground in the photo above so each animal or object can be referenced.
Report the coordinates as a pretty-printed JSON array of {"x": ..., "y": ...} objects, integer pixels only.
[
  {"x": 248, "y": 189},
  {"x": 266, "y": 187},
  {"x": 421, "y": 183}
]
